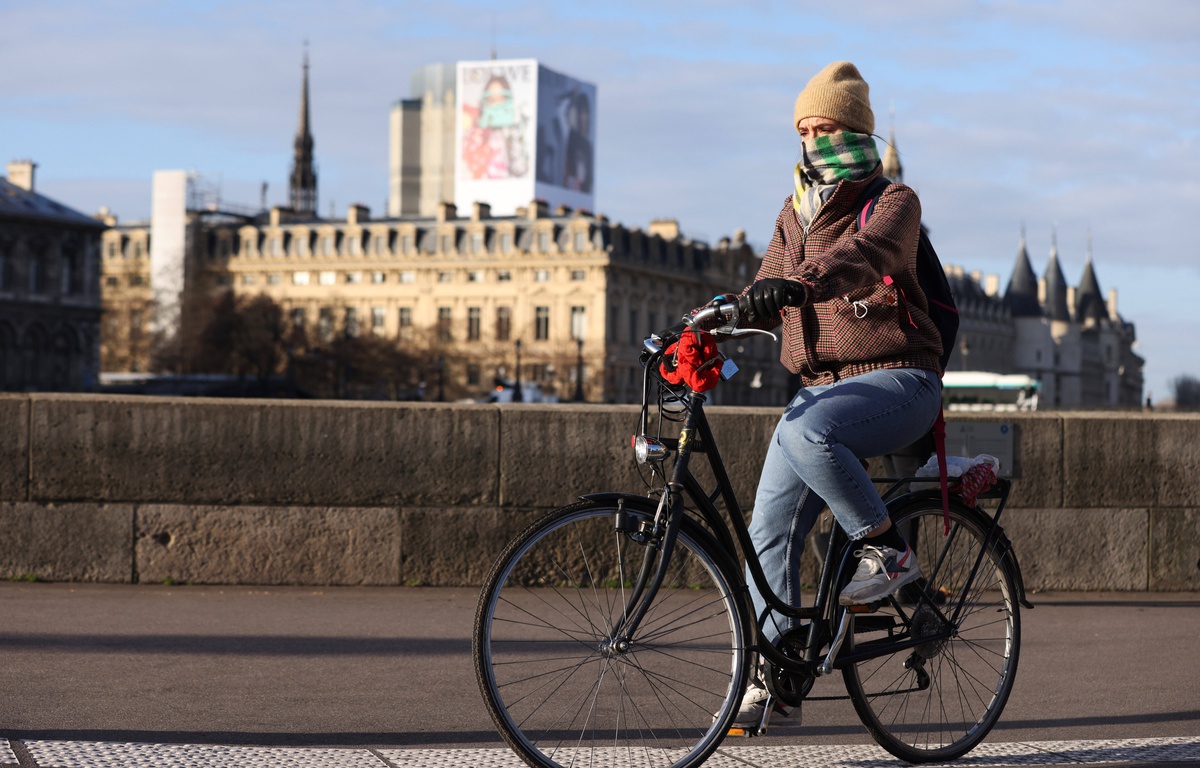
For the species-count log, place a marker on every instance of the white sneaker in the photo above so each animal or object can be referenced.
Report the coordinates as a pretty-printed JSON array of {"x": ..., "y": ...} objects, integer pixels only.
[
  {"x": 881, "y": 571},
  {"x": 755, "y": 700}
]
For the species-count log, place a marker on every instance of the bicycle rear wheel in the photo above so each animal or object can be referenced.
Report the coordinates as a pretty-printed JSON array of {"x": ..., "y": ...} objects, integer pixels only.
[
  {"x": 938, "y": 700},
  {"x": 566, "y": 688}
]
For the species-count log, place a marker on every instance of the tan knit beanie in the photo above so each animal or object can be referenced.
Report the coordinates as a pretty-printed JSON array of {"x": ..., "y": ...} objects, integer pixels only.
[{"x": 839, "y": 93}]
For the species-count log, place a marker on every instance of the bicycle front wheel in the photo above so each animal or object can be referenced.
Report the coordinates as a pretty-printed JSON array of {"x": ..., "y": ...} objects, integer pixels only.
[
  {"x": 567, "y": 686},
  {"x": 936, "y": 701}
]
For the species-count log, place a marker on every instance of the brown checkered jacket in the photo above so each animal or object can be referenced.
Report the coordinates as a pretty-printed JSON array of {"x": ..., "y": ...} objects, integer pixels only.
[{"x": 853, "y": 322}]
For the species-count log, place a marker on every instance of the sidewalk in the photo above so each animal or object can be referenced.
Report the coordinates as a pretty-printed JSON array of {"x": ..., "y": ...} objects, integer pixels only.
[{"x": 207, "y": 676}]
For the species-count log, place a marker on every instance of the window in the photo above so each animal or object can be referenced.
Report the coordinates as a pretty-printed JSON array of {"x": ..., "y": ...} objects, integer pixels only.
[
  {"x": 137, "y": 249},
  {"x": 443, "y": 324},
  {"x": 447, "y": 243},
  {"x": 578, "y": 323},
  {"x": 473, "y": 316},
  {"x": 543, "y": 241},
  {"x": 112, "y": 250},
  {"x": 378, "y": 277},
  {"x": 301, "y": 246},
  {"x": 298, "y": 318},
  {"x": 355, "y": 246},
  {"x": 136, "y": 280},
  {"x": 275, "y": 279},
  {"x": 111, "y": 282},
  {"x": 299, "y": 278},
  {"x": 352, "y": 322},
  {"x": 405, "y": 322},
  {"x": 380, "y": 244},
  {"x": 503, "y": 323},
  {"x": 477, "y": 243},
  {"x": 473, "y": 374},
  {"x": 445, "y": 277},
  {"x": 354, "y": 278},
  {"x": 578, "y": 274},
  {"x": 476, "y": 276},
  {"x": 327, "y": 278},
  {"x": 325, "y": 324},
  {"x": 652, "y": 322},
  {"x": 224, "y": 279},
  {"x": 408, "y": 278},
  {"x": 542, "y": 275},
  {"x": 503, "y": 276},
  {"x": 37, "y": 275},
  {"x": 327, "y": 245},
  {"x": 248, "y": 279},
  {"x": 634, "y": 326},
  {"x": 406, "y": 243},
  {"x": 276, "y": 246},
  {"x": 612, "y": 322},
  {"x": 542, "y": 323},
  {"x": 378, "y": 320},
  {"x": 581, "y": 241},
  {"x": 506, "y": 242}
]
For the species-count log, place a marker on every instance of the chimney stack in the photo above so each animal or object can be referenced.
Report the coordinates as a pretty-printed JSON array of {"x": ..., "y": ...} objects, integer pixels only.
[{"x": 20, "y": 174}]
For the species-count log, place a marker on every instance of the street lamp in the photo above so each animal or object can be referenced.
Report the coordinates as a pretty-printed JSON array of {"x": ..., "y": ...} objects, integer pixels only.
[
  {"x": 441, "y": 364},
  {"x": 579, "y": 371},
  {"x": 517, "y": 396}
]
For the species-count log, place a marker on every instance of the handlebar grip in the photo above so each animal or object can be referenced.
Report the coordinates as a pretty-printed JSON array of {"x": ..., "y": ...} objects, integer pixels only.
[{"x": 713, "y": 316}]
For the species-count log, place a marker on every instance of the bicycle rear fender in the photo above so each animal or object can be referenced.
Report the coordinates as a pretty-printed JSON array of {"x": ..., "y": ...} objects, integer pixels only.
[{"x": 1003, "y": 543}]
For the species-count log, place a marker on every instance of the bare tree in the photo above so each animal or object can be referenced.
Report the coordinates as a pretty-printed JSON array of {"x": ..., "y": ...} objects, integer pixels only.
[{"x": 1186, "y": 390}]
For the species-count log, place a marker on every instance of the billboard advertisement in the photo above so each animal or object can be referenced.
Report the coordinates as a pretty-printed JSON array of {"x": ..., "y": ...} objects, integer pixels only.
[
  {"x": 523, "y": 132},
  {"x": 565, "y": 138},
  {"x": 496, "y": 127}
]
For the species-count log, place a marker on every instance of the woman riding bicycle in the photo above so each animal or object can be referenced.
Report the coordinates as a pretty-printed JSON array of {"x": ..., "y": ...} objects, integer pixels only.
[{"x": 857, "y": 333}]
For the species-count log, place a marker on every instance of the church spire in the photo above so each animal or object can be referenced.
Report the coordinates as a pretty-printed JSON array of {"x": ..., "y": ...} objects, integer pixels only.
[
  {"x": 891, "y": 158},
  {"x": 302, "y": 185}
]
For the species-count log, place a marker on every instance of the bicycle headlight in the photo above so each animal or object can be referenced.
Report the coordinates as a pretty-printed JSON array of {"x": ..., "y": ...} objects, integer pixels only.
[{"x": 648, "y": 449}]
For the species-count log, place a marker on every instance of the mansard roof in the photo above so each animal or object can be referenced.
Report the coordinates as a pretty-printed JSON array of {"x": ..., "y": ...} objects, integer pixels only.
[
  {"x": 18, "y": 202},
  {"x": 1021, "y": 296}
]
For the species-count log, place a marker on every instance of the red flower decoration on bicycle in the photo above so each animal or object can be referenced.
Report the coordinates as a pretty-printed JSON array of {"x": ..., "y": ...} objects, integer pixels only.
[{"x": 694, "y": 361}]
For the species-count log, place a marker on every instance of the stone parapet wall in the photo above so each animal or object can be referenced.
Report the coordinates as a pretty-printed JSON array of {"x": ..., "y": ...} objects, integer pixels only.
[{"x": 127, "y": 489}]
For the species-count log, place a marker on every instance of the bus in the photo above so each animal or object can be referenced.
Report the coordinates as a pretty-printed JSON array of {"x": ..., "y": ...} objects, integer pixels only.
[{"x": 983, "y": 391}]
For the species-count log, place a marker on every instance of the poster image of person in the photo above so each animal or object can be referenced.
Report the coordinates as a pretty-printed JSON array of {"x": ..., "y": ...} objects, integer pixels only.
[
  {"x": 495, "y": 129},
  {"x": 578, "y": 169},
  {"x": 566, "y": 126}
]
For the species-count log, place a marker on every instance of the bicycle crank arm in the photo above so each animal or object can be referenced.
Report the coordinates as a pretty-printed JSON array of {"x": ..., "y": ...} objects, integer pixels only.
[{"x": 843, "y": 626}]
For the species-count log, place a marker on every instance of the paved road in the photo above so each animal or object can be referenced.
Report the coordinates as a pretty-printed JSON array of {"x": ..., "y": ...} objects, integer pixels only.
[{"x": 151, "y": 675}]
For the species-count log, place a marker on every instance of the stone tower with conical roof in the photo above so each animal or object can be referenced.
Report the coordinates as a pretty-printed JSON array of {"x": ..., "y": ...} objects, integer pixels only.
[
  {"x": 1021, "y": 296},
  {"x": 1056, "y": 305},
  {"x": 302, "y": 184},
  {"x": 1090, "y": 306}
]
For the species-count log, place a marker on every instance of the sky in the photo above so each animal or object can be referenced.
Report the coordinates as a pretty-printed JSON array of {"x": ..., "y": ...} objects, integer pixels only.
[{"x": 1063, "y": 119}]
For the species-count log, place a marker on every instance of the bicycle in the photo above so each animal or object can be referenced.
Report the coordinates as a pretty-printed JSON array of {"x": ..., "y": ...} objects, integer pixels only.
[{"x": 619, "y": 630}]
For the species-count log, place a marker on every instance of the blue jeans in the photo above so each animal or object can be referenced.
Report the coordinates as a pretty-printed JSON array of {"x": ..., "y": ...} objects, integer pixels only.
[{"x": 813, "y": 461}]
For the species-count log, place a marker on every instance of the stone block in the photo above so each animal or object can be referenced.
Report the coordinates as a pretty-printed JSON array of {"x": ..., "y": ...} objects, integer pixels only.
[
  {"x": 1111, "y": 460},
  {"x": 67, "y": 542},
  {"x": 1178, "y": 441},
  {"x": 1080, "y": 549},
  {"x": 275, "y": 452},
  {"x": 1037, "y": 471},
  {"x": 268, "y": 545},
  {"x": 14, "y": 448},
  {"x": 456, "y": 547},
  {"x": 1175, "y": 550},
  {"x": 550, "y": 455}
]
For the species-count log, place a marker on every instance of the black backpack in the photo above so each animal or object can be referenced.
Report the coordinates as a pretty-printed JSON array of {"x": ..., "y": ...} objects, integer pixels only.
[{"x": 930, "y": 276}]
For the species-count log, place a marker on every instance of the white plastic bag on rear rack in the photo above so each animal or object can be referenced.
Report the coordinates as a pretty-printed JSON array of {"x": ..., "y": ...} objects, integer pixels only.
[{"x": 967, "y": 477}]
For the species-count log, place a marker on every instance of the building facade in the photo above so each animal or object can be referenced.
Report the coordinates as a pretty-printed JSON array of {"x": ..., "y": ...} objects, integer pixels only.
[
  {"x": 573, "y": 291},
  {"x": 49, "y": 292}
]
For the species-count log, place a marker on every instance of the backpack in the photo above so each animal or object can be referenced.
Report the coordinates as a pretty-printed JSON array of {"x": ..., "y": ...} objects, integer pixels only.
[{"x": 931, "y": 277}]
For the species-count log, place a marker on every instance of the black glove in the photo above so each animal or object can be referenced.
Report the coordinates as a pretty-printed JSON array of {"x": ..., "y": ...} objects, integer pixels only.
[
  {"x": 671, "y": 335},
  {"x": 768, "y": 296}
]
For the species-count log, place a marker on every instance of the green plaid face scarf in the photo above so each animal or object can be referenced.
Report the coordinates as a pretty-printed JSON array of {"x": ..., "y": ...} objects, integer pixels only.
[{"x": 826, "y": 160}]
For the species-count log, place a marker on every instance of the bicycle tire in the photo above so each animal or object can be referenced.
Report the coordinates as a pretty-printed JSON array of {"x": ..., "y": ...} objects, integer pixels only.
[
  {"x": 937, "y": 701},
  {"x": 560, "y": 694}
]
